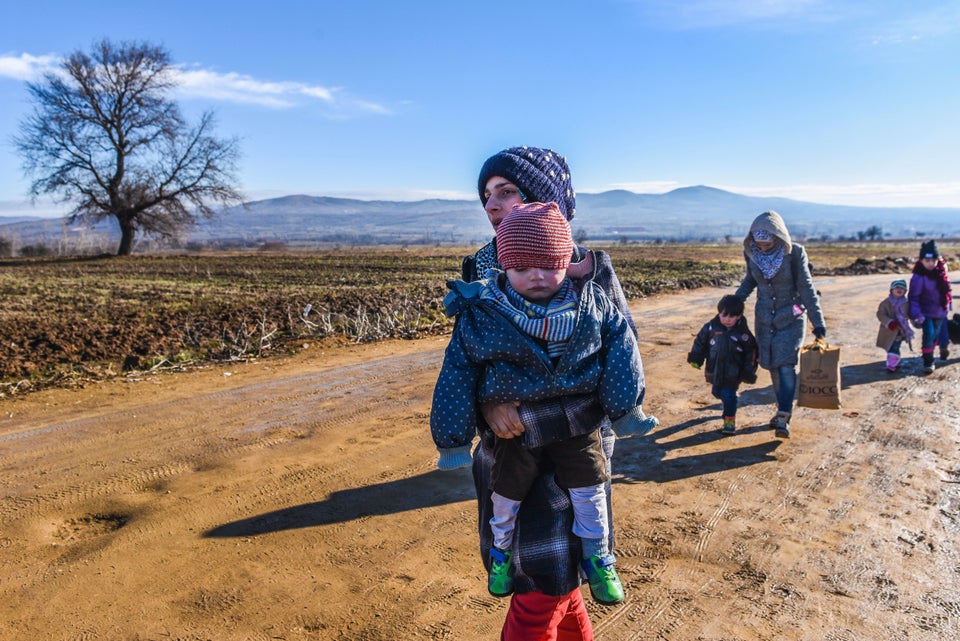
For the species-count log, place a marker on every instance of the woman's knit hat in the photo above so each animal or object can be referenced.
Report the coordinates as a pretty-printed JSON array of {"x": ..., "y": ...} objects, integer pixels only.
[
  {"x": 898, "y": 283},
  {"x": 541, "y": 174},
  {"x": 534, "y": 235},
  {"x": 929, "y": 249}
]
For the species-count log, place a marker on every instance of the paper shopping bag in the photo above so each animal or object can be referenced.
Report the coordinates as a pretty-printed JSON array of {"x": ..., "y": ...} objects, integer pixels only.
[{"x": 819, "y": 376}]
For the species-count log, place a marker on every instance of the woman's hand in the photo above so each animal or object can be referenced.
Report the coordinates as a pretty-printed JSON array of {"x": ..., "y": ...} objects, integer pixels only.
[
  {"x": 503, "y": 418},
  {"x": 582, "y": 269}
]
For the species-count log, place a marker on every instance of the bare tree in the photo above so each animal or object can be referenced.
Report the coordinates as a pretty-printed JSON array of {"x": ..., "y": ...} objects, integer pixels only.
[{"x": 105, "y": 135}]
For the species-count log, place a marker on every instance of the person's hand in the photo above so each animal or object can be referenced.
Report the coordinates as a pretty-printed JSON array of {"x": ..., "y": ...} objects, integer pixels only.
[
  {"x": 694, "y": 365},
  {"x": 820, "y": 332},
  {"x": 503, "y": 418},
  {"x": 580, "y": 270},
  {"x": 918, "y": 321}
]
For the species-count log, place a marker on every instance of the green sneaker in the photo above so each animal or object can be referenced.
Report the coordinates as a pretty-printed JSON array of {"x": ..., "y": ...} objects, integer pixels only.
[
  {"x": 604, "y": 582},
  {"x": 500, "y": 581}
]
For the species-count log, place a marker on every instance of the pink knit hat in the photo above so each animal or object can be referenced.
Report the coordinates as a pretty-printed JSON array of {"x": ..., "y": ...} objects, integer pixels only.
[{"x": 534, "y": 235}]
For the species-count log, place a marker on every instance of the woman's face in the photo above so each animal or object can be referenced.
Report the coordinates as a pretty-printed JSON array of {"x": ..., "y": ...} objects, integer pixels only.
[
  {"x": 502, "y": 195},
  {"x": 764, "y": 245},
  {"x": 928, "y": 263}
]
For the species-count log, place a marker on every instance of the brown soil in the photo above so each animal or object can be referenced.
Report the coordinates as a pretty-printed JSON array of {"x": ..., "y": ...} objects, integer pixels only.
[{"x": 297, "y": 498}]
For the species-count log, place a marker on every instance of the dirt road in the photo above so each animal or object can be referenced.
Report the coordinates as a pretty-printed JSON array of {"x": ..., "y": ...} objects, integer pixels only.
[{"x": 297, "y": 499}]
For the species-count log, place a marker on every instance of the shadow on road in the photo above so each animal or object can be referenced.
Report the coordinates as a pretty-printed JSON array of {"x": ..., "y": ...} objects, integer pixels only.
[
  {"x": 639, "y": 460},
  {"x": 393, "y": 497}
]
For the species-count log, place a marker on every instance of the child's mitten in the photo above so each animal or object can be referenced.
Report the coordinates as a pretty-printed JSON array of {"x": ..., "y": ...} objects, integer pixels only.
[
  {"x": 454, "y": 458},
  {"x": 635, "y": 423}
]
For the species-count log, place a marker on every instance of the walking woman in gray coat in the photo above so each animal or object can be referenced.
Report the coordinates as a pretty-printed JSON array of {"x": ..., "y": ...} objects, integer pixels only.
[{"x": 777, "y": 268}]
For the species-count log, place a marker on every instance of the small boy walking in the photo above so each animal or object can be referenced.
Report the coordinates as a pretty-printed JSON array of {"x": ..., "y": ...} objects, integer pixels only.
[
  {"x": 730, "y": 351},
  {"x": 893, "y": 312},
  {"x": 525, "y": 335}
]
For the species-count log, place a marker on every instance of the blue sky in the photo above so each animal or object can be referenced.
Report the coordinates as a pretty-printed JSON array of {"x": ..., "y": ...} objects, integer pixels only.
[{"x": 834, "y": 101}]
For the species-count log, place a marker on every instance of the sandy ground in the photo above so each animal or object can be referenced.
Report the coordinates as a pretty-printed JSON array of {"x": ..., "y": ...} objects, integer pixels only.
[{"x": 297, "y": 498}]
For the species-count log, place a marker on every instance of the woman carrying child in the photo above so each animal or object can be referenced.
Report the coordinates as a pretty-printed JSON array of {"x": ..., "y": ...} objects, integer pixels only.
[
  {"x": 526, "y": 335},
  {"x": 546, "y": 601}
]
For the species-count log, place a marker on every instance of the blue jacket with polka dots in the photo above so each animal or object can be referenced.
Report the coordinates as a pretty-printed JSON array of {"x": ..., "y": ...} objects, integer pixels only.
[{"x": 489, "y": 359}]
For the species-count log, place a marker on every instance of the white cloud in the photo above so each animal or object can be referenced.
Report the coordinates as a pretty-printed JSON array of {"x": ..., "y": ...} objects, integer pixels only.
[
  {"x": 225, "y": 87},
  {"x": 872, "y": 195},
  {"x": 26, "y": 67}
]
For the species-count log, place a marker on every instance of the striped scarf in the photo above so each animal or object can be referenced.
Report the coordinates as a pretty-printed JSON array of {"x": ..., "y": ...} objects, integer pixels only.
[{"x": 553, "y": 323}]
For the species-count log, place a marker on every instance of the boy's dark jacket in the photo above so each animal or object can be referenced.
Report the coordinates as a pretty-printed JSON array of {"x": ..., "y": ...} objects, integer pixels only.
[{"x": 731, "y": 354}]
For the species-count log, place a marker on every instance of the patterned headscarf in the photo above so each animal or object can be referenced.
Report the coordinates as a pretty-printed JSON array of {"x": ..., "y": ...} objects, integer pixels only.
[{"x": 770, "y": 261}]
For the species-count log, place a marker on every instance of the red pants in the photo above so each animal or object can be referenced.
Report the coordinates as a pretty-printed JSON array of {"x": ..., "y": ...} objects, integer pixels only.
[{"x": 534, "y": 616}]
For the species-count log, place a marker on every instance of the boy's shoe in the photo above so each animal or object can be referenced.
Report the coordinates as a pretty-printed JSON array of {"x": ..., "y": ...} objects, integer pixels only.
[
  {"x": 605, "y": 585},
  {"x": 928, "y": 368},
  {"x": 944, "y": 353},
  {"x": 500, "y": 581},
  {"x": 781, "y": 424},
  {"x": 729, "y": 425}
]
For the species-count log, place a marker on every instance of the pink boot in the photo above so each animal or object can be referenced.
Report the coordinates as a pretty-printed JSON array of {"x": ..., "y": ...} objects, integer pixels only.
[{"x": 893, "y": 362}]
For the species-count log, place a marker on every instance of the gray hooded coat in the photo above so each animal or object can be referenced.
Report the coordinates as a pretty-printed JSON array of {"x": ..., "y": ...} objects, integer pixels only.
[{"x": 784, "y": 301}]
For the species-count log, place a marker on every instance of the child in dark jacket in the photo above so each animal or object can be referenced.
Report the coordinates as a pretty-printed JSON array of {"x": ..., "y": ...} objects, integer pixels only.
[
  {"x": 526, "y": 334},
  {"x": 730, "y": 351},
  {"x": 930, "y": 299}
]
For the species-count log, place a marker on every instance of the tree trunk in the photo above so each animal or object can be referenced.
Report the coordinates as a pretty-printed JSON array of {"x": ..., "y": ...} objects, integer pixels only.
[{"x": 127, "y": 231}]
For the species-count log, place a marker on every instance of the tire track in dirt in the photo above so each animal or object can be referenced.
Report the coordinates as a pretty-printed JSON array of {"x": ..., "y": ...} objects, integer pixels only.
[{"x": 218, "y": 439}]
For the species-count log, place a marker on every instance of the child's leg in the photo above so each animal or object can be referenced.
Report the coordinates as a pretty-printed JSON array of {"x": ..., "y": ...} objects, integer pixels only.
[
  {"x": 931, "y": 331},
  {"x": 893, "y": 354},
  {"x": 502, "y": 524},
  {"x": 895, "y": 345},
  {"x": 514, "y": 470},
  {"x": 590, "y": 524},
  {"x": 728, "y": 395},
  {"x": 943, "y": 340},
  {"x": 590, "y": 519},
  {"x": 504, "y": 520}
]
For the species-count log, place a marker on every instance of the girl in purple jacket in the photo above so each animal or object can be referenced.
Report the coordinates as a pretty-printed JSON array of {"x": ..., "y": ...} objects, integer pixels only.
[{"x": 930, "y": 298}]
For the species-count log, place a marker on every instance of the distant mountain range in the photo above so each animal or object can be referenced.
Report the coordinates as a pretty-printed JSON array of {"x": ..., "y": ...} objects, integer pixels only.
[{"x": 701, "y": 214}]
